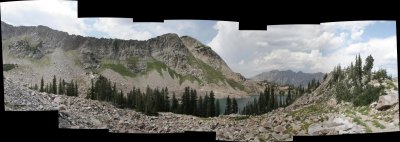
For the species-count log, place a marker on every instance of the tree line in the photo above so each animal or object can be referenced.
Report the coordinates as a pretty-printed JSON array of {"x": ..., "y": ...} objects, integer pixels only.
[
  {"x": 152, "y": 101},
  {"x": 352, "y": 83},
  {"x": 231, "y": 106},
  {"x": 272, "y": 99},
  {"x": 63, "y": 87}
]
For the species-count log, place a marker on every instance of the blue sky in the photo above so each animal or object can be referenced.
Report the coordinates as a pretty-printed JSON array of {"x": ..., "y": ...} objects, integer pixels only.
[
  {"x": 380, "y": 30},
  {"x": 307, "y": 48}
]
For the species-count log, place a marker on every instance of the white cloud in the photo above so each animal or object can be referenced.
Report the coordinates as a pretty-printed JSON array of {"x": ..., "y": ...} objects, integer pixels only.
[
  {"x": 60, "y": 15},
  {"x": 123, "y": 29},
  {"x": 262, "y": 43},
  {"x": 241, "y": 62},
  {"x": 307, "y": 48},
  {"x": 356, "y": 28},
  {"x": 383, "y": 50}
]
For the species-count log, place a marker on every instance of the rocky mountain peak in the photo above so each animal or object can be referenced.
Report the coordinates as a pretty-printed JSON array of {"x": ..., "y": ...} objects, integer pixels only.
[
  {"x": 168, "y": 36},
  {"x": 191, "y": 42},
  {"x": 288, "y": 77},
  {"x": 183, "y": 57}
]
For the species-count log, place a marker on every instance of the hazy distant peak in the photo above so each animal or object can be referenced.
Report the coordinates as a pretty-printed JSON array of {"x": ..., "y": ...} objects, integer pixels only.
[{"x": 288, "y": 77}]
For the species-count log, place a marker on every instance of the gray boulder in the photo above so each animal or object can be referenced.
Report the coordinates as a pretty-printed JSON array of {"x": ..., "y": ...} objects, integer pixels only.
[{"x": 386, "y": 101}]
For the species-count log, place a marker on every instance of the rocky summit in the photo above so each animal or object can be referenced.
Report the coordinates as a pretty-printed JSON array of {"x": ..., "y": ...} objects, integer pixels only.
[{"x": 163, "y": 61}]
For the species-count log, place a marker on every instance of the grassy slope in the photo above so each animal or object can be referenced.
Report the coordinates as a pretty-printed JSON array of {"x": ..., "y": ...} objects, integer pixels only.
[
  {"x": 42, "y": 62},
  {"x": 153, "y": 64},
  {"x": 212, "y": 75}
]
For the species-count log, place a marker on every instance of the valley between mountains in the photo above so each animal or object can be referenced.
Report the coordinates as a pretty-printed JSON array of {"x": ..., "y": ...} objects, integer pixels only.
[{"x": 346, "y": 100}]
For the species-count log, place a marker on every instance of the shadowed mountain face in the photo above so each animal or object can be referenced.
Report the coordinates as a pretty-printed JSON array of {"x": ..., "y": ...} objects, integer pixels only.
[
  {"x": 288, "y": 77},
  {"x": 183, "y": 59}
]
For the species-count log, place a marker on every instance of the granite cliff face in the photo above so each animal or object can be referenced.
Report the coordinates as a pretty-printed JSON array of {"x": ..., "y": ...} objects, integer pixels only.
[{"x": 184, "y": 59}]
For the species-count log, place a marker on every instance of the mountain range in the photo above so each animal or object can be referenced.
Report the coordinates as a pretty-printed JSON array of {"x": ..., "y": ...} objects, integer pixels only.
[
  {"x": 163, "y": 61},
  {"x": 288, "y": 77}
]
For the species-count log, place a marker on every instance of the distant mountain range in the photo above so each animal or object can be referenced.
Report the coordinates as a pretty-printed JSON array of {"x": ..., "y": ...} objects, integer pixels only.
[{"x": 288, "y": 77}]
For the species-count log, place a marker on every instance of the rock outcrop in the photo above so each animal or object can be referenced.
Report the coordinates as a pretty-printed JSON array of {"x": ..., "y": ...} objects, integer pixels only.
[
  {"x": 386, "y": 101},
  {"x": 337, "y": 125}
]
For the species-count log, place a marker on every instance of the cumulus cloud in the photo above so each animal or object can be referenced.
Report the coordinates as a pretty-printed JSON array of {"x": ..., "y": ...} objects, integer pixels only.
[
  {"x": 356, "y": 28},
  {"x": 384, "y": 51},
  {"x": 62, "y": 15},
  {"x": 123, "y": 29},
  {"x": 307, "y": 48}
]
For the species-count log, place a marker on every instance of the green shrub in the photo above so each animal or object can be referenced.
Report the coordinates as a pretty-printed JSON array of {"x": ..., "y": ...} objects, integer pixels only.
[
  {"x": 377, "y": 124},
  {"x": 380, "y": 75},
  {"x": 235, "y": 84},
  {"x": 342, "y": 92},
  {"x": 133, "y": 61},
  {"x": 7, "y": 67},
  {"x": 119, "y": 68},
  {"x": 368, "y": 95}
]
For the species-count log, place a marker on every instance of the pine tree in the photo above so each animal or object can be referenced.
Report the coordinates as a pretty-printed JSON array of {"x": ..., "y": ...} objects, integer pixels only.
[
  {"x": 54, "y": 85},
  {"x": 76, "y": 89},
  {"x": 47, "y": 88},
  {"x": 200, "y": 109},
  {"x": 186, "y": 101},
  {"x": 255, "y": 107},
  {"x": 206, "y": 106},
  {"x": 70, "y": 89},
  {"x": 356, "y": 69},
  {"x": 217, "y": 109},
  {"x": 63, "y": 87},
  {"x": 193, "y": 102},
  {"x": 262, "y": 101},
  {"x": 36, "y": 87},
  {"x": 212, "y": 104},
  {"x": 228, "y": 108},
  {"x": 267, "y": 98},
  {"x": 140, "y": 101},
  {"x": 369, "y": 63},
  {"x": 235, "y": 108},
  {"x": 166, "y": 104},
  {"x": 359, "y": 68},
  {"x": 175, "y": 104},
  {"x": 42, "y": 85},
  {"x": 121, "y": 100},
  {"x": 50, "y": 88},
  {"x": 352, "y": 72},
  {"x": 148, "y": 109},
  {"x": 272, "y": 100},
  {"x": 59, "y": 86}
]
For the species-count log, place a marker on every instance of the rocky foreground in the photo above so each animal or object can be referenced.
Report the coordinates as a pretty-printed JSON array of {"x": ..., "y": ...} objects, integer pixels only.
[{"x": 305, "y": 117}]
